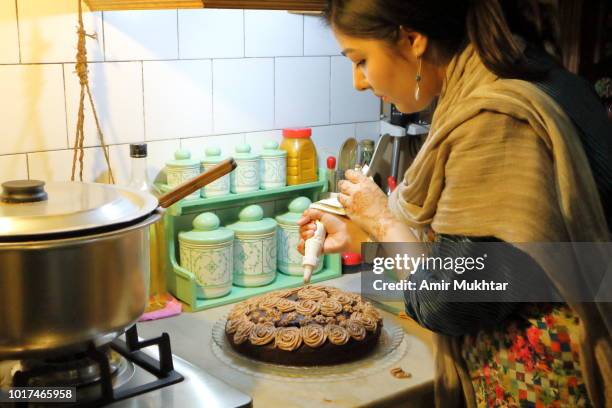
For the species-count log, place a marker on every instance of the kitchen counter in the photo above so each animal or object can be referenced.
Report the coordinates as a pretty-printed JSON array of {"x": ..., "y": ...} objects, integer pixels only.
[{"x": 190, "y": 335}]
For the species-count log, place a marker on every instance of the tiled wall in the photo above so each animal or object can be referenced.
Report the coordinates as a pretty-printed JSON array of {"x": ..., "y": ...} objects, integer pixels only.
[{"x": 173, "y": 78}]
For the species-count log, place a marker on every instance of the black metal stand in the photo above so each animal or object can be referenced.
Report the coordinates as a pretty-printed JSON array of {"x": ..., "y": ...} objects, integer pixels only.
[{"x": 131, "y": 350}]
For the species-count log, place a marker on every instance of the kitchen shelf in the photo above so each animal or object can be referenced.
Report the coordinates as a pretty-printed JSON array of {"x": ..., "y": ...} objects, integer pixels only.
[
  {"x": 301, "y": 5},
  {"x": 179, "y": 217}
]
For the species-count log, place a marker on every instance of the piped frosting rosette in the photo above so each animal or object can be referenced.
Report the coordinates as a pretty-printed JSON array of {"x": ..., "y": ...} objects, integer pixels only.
[
  {"x": 311, "y": 294},
  {"x": 337, "y": 334},
  {"x": 243, "y": 331},
  {"x": 330, "y": 307},
  {"x": 285, "y": 305},
  {"x": 314, "y": 335},
  {"x": 367, "y": 321},
  {"x": 355, "y": 329},
  {"x": 231, "y": 325},
  {"x": 288, "y": 338},
  {"x": 307, "y": 307},
  {"x": 262, "y": 334},
  {"x": 269, "y": 302}
]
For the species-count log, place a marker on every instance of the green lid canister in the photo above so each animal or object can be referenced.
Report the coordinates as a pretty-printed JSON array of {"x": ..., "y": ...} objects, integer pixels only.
[
  {"x": 273, "y": 166},
  {"x": 221, "y": 186},
  {"x": 245, "y": 177},
  {"x": 207, "y": 251},
  {"x": 254, "y": 248},
  {"x": 181, "y": 169},
  {"x": 288, "y": 238}
]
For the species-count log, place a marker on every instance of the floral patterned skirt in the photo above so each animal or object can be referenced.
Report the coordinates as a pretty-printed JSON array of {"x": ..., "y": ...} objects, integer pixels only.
[{"x": 532, "y": 362}]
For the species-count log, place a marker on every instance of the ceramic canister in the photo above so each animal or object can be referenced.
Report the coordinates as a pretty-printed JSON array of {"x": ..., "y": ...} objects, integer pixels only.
[
  {"x": 254, "y": 248},
  {"x": 288, "y": 237},
  {"x": 221, "y": 186},
  {"x": 181, "y": 169},
  {"x": 273, "y": 166},
  {"x": 245, "y": 176},
  {"x": 208, "y": 252}
]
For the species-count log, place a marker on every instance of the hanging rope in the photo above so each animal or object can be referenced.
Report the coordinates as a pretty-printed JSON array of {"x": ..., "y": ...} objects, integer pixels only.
[{"x": 82, "y": 72}]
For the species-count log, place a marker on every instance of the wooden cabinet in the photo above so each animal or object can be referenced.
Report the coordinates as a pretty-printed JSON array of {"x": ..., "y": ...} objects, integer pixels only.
[{"x": 301, "y": 5}]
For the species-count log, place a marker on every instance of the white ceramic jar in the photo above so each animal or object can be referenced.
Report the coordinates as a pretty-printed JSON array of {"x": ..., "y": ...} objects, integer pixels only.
[
  {"x": 245, "y": 177},
  {"x": 219, "y": 187},
  {"x": 254, "y": 248},
  {"x": 181, "y": 169},
  {"x": 273, "y": 166},
  {"x": 288, "y": 238},
  {"x": 208, "y": 252}
]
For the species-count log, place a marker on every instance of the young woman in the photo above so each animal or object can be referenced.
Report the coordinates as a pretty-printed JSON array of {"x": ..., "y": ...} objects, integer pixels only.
[{"x": 518, "y": 152}]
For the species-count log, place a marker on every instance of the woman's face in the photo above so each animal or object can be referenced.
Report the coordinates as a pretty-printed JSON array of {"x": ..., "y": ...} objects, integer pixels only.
[{"x": 390, "y": 72}]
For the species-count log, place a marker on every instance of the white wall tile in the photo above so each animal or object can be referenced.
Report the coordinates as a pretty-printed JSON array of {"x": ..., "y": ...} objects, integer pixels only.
[
  {"x": 211, "y": 33},
  {"x": 367, "y": 130},
  {"x": 243, "y": 95},
  {"x": 47, "y": 31},
  {"x": 140, "y": 35},
  {"x": 198, "y": 145},
  {"x": 329, "y": 139},
  {"x": 257, "y": 139},
  {"x": 273, "y": 33},
  {"x": 301, "y": 91},
  {"x": 117, "y": 93},
  {"x": 121, "y": 163},
  {"x": 57, "y": 165},
  {"x": 158, "y": 153},
  {"x": 348, "y": 104},
  {"x": 9, "y": 40},
  {"x": 32, "y": 114},
  {"x": 13, "y": 167},
  {"x": 319, "y": 38},
  {"x": 178, "y": 99}
]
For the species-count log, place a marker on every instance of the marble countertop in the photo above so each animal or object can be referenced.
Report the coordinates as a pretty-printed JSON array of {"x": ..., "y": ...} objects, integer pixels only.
[{"x": 190, "y": 335}]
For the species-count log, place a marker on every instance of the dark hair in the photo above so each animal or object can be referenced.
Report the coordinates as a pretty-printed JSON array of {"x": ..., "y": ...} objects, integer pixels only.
[{"x": 448, "y": 24}]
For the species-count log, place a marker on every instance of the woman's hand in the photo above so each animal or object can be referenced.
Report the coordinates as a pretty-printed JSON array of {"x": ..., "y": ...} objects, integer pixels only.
[
  {"x": 365, "y": 203},
  {"x": 343, "y": 235}
]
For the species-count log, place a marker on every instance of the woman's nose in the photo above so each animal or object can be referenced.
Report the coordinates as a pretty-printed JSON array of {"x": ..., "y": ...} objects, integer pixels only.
[{"x": 360, "y": 81}]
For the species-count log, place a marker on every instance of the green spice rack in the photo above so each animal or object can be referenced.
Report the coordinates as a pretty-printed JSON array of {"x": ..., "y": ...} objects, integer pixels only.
[{"x": 181, "y": 282}]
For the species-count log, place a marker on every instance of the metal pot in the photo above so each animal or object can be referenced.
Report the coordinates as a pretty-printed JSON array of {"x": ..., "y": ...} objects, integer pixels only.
[{"x": 74, "y": 261}]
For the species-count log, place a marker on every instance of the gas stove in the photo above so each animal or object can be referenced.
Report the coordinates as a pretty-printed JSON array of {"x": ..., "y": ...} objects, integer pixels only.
[{"x": 128, "y": 372}]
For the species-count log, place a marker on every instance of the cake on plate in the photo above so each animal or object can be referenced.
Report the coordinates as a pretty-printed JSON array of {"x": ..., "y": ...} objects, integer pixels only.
[{"x": 310, "y": 325}]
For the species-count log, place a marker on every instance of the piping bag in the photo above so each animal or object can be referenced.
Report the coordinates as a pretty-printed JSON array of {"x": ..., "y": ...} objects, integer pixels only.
[{"x": 313, "y": 249}]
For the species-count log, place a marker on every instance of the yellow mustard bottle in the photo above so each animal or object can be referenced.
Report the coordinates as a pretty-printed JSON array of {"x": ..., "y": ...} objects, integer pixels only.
[{"x": 301, "y": 156}]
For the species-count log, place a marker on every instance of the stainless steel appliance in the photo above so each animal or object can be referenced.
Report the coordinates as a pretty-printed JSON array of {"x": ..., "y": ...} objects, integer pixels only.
[
  {"x": 127, "y": 373},
  {"x": 74, "y": 261}
]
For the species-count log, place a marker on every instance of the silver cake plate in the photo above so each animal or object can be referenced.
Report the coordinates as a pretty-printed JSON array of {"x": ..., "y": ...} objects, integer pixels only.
[{"x": 391, "y": 347}]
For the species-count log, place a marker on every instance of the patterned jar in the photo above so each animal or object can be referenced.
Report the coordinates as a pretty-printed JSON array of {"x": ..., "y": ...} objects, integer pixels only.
[
  {"x": 245, "y": 177},
  {"x": 288, "y": 237},
  {"x": 208, "y": 252},
  {"x": 273, "y": 166},
  {"x": 254, "y": 248},
  {"x": 221, "y": 186},
  {"x": 181, "y": 169}
]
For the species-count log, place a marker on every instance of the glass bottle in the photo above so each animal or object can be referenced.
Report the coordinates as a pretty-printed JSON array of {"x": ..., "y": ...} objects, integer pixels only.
[{"x": 139, "y": 180}]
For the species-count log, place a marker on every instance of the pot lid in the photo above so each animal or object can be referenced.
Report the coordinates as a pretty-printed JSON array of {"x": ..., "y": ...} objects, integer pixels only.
[
  {"x": 270, "y": 149},
  {"x": 206, "y": 230},
  {"x": 182, "y": 158},
  {"x": 296, "y": 207},
  {"x": 34, "y": 208},
  {"x": 251, "y": 221},
  {"x": 212, "y": 155},
  {"x": 243, "y": 152}
]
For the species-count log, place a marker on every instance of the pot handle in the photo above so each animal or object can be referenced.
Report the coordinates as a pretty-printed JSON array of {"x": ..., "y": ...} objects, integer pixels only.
[{"x": 219, "y": 170}]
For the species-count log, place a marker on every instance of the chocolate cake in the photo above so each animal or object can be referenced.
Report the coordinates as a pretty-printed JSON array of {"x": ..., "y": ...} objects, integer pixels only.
[{"x": 311, "y": 325}]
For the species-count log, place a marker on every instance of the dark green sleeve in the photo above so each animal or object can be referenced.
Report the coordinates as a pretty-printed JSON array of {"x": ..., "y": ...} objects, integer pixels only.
[{"x": 440, "y": 311}]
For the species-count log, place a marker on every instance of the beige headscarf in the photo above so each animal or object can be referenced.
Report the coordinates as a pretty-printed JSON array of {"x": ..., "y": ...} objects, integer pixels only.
[{"x": 502, "y": 159}]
